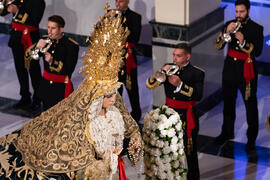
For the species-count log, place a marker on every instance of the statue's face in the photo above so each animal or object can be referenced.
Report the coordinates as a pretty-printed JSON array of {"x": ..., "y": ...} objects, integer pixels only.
[{"x": 108, "y": 101}]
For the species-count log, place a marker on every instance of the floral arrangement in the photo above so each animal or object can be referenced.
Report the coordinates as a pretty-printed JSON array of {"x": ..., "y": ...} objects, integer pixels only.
[{"x": 164, "y": 147}]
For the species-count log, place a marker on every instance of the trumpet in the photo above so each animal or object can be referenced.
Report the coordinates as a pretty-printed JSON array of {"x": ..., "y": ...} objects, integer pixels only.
[
  {"x": 35, "y": 51},
  {"x": 4, "y": 4},
  {"x": 173, "y": 69},
  {"x": 227, "y": 36}
]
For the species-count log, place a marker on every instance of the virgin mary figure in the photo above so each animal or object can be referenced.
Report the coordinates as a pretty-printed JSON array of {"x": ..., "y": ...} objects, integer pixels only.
[{"x": 81, "y": 136}]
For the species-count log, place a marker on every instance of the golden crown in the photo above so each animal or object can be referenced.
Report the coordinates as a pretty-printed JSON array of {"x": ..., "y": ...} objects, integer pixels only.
[{"x": 105, "y": 52}]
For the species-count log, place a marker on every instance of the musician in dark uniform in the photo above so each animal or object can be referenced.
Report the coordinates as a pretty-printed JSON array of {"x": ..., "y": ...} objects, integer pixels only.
[
  {"x": 240, "y": 71},
  {"x": 128, "y": 72},
  {"x": 59, "y": 63},
  {"x": 183, "y": 88},
  {"x": 27, "y": 15}
]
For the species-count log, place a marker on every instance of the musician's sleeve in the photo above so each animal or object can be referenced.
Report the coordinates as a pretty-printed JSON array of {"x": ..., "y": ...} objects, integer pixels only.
[{"x": 155, "y": 80}]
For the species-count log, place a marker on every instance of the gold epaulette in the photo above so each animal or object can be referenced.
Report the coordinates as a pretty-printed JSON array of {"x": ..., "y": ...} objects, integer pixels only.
[
  {"x": 72, "y": 40},
  {"x": 199, "y": 68}
]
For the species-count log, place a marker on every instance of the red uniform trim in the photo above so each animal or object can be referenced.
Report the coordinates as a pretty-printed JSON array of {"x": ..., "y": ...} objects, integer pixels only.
[
  {"x": 60, "y": 79},
  {"x": 190, "y": 115},
  {"x": 248, "y": 65},
  {"x": 130, "y": 60},
  {"x": 25, "y": 29}
]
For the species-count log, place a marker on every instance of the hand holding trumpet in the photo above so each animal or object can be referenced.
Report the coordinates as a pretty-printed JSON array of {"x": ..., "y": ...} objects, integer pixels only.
[{"x": 170, "y": 71}]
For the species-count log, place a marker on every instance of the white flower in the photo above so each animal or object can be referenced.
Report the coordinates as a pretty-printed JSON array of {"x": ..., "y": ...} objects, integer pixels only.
[
  {"x": 181, "y": 151},
  {"x": 171, "y": 132},
  {"x": 152, "y": 135},
  {"x": 166, "y": 150},
  {"x": 176, "y": 164},
  {"x": 178, "y": 126},
  {"x": 180, "y": 136},
  {"x": 153, "y": 142},
  {"x": 167, "y": 165},
  {"x": 166, "y": 144},
  {"x": 156, "y": 152},
  {"x": 163, "y": 133},
  {"x": 174, "y": 147},
  {"x": 161, "y": 126},
  {"x": 154, "y": 168},
  {"x": 159, "y": 144},
  {"x": 155, "y": 116},
  {"x": 162, "y": 118},
  {"x": 162, "y": 175},
  {"x": 175, "y": 157},
  {"x": 169, "y": 111},
  {"x": 174, "y": 140},
  {"x": 173, "y": 118},
  {"x": 170, "y": 176}
]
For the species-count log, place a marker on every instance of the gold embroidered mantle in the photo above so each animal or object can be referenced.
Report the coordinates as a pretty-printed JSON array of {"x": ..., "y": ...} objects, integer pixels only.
[{"x": 55, "y": 142}]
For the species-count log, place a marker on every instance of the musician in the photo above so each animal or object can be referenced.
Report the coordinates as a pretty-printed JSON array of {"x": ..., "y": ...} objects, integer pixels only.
[
  {"x": 182, "y": 90},
  {"x": 240, "y": 72},
  {"x": 128, "y": 73},
  {"x": 27, "y": 15},
  {"x": 59, "y": 63}
]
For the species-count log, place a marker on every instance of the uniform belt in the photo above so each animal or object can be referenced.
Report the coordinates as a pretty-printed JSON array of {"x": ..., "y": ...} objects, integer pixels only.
[
  {"x": 248, "y": 65},
  {"x": 60, "y": 79},
  {"x": 25, "y": 29},
  {"x": 184, "y": 105},
  {"x": 238, "y": 55},
  {"x": 130, "y": 60}
]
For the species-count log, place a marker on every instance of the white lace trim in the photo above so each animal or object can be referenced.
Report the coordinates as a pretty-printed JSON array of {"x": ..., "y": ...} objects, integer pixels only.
[{"x": 108, "y": 133}]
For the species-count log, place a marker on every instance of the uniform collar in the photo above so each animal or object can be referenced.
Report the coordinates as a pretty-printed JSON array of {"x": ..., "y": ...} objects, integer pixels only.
[{"x": 185, "y": 66}]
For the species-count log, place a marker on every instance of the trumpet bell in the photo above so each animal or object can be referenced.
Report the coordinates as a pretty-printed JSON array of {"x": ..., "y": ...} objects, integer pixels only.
[
  {"x": 227, "y": 36},
  {"x": 173, "y": 69}
]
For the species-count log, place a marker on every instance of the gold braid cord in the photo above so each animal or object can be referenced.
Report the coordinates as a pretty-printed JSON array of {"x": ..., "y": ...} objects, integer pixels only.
[
  {"x": 56, "y": 142},
  {"x": 136, "y": 144},
  {"x": 249, "y": 60}
]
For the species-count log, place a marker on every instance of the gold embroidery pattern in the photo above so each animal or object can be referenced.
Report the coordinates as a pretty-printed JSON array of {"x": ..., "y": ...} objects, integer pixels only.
[
  {"x": 25, "y": 16},
  {"x": 152, "y": 84},
  {"x": 56, "y": 142},
  {"x": 189, "y": 93},
  {"x": 58, "y": 68},
  {"x": 132, "y": 130},
  {"x": 219, "y": 41}
]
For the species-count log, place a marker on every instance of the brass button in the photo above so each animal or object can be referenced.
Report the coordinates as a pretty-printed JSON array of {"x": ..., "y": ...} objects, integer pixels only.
[
  {"x": 15, "y": 29},
  {"x": 51, "y": 82},
  {"x": 238, "y": 42},
  {"x": 237, "y": 48},
  {"x": 174, "y": 91},
  {"x": 234, "y": 59},
  {"x": 173, "y": 98},
  {"x": 178, "y": 73}
]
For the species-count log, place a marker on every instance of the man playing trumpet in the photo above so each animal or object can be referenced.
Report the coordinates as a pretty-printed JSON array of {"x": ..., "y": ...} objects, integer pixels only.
[
  {"x": 183, "y": 87},
  {"x": 24, "y": 32},
  {"x": 59, "y": 63},
  {"x": 240, "y": 72}
]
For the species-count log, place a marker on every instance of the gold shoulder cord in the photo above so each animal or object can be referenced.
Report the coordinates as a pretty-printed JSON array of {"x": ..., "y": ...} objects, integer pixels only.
[{"x": 249, "y": 60}]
